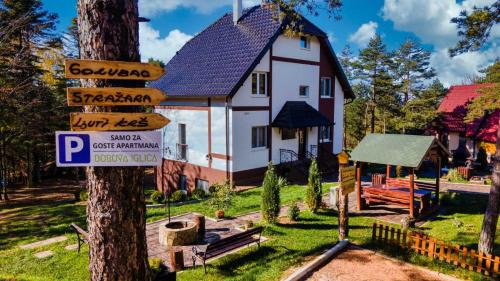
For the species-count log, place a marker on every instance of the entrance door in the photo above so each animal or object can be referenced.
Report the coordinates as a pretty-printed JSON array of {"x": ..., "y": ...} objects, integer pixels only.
[{"x": 302, "y": 143}]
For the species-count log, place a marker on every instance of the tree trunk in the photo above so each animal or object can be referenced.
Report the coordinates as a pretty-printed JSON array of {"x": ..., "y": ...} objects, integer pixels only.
[
  {"x": 487, "y": 238},
  {"x": 116, "y": 207}
]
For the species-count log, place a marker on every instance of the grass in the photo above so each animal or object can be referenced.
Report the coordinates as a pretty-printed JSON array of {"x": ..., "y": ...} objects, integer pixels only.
[{"x": 288, "y": 246}]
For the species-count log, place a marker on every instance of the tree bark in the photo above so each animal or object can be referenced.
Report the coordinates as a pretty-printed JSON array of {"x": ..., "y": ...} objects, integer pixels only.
[
  {"x": 487, "y": 238},
  {"x": 116, "y": 206}
]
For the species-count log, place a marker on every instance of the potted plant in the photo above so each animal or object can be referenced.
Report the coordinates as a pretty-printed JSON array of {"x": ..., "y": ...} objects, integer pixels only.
[{"x": 221, "y": 199}]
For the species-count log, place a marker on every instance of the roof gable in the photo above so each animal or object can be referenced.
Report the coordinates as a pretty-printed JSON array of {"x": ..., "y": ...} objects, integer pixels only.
[{"x": 217, "y": 61}]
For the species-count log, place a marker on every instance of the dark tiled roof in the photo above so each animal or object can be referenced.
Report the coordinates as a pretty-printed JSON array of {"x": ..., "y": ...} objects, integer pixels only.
[
  {"x": 218, "y": 60},
  {"x": 299, "y": 114}
]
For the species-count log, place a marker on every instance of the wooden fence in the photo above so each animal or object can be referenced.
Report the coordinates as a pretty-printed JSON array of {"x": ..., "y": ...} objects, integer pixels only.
[{"x": 425, "y": 245}]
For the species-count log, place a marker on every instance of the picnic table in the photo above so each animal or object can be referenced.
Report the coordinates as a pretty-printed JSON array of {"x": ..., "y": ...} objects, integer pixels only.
[{"x": 381, "y": 193}]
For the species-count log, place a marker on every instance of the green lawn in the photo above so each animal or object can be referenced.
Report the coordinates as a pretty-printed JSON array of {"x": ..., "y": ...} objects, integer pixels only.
[{"x": 288, "y": 244}]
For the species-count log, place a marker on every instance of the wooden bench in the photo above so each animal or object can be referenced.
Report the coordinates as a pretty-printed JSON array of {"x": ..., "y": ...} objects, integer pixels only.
[
  {"x": 397, "y": 196},
  {"x": 419, "y": 185},
  {"x": 83, "y": 236},
  {"x": 203, "y": 253}
]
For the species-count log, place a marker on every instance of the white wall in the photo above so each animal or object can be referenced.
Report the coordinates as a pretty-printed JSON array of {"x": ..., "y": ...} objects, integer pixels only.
[
  {"x": 338, "y": 128},
  {"x": 453, "y": 141},
  {"x": 244, "y": 156},
  {"x": 196, "y": 134},
  {"x": 289, "y": 47},
  {"x": 243, "y": 96}
]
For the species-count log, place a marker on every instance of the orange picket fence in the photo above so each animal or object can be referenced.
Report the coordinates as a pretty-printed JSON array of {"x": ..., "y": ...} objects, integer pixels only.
[{"x": 425, "y": 245}]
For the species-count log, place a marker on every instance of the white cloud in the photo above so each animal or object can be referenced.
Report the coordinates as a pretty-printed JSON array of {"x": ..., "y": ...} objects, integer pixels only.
[
  {"x": 452, "y": 71},
  {"x": 151, "y": 8},
  {"x": 152, "y": 45},
  {"x": 429, "y": 19},
  {"x": 364, "y": 33}
]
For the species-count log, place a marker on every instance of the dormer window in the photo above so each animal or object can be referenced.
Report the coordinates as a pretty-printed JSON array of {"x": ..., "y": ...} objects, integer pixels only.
[
  {"x": 259, "y": 84},
  {"x": 305, "y": 43}
]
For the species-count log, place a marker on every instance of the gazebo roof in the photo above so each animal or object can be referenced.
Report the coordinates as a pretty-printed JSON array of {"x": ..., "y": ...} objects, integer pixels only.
[{"x": 400, "y": 150}]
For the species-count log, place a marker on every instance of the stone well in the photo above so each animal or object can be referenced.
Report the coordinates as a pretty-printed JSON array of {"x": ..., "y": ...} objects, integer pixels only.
[{"x": 177, "y": 233}]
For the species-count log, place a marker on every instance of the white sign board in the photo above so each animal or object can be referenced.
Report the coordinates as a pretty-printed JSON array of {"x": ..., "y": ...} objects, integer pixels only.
[{"x": 113, "y": 149}]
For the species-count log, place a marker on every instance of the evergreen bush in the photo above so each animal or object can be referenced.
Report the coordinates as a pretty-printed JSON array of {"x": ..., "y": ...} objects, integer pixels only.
[
  {"x": 271, "y": 204},
  {"x": 179, "y": 196},
  {"x": 313, "y": 192},
  {"x": 156, "y": 197},
  {"x": 293, "y": 211}
]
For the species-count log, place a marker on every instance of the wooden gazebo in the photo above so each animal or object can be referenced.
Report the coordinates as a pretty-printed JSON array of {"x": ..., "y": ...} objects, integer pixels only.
[{"x": 399, "y": 150}]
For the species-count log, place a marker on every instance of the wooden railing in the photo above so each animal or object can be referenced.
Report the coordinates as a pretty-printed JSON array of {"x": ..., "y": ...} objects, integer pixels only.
[
  {"x": 464, "y": 171},
  {"x": 436, "y": 249}
]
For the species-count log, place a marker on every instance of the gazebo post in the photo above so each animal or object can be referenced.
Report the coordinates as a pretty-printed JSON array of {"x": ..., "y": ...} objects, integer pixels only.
[
  {"x": 438, "y": 178},
  {"x": 388, "y": 172},
  {"x": 412, "y": 195},
  {"x": 358, "y": 185}
]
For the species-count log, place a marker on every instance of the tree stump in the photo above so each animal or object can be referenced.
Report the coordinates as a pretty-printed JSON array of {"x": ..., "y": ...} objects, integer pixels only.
[
  {"x": 199, "y": 221},
  {"x": 176, "y": 258}
]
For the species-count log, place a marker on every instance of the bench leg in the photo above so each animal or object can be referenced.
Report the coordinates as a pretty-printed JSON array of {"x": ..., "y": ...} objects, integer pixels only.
[
  {"x": 79, "y": 245},
  {"x": 204, "y": 267},
  {"x": 194, "y": 261}
]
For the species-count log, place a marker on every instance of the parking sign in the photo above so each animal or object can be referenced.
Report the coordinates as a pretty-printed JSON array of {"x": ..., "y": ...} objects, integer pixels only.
[{"x": 81, "y": 149}]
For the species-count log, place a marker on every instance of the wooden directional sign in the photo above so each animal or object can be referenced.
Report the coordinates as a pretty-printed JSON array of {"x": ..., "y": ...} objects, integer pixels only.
[
  {"x": 118, "y": 70},
  {"x": 107, "y": 121},
  {"x": 114, "y": 96},
  {"x": 347, "y": 176}
]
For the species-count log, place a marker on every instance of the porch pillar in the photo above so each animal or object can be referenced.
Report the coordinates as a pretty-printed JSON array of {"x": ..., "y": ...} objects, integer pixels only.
[
  {"x": 412, "y": 195},
  {"x": 358, "y": 186},
  {"x": 388, "y": 172},
  {"x": 438, "y": 178}
]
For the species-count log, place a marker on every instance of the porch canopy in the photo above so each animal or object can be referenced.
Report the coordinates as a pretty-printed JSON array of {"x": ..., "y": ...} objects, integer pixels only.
[
  {"x": 399, "y": 150},
  {"x": 299, "y": 114}
]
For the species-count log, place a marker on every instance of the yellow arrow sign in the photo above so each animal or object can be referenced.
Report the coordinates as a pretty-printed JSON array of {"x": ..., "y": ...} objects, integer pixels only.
[
  {"x": 107, "y": 121},
  {"x": 118, "y": 70},
  {"x": 114, "y": 96}
]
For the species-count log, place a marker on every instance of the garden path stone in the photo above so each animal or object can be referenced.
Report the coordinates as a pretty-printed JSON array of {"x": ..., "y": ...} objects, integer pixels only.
[
  {"x": 43, "y": 254},
  {"x": 44, "y": 242},
  {"x": 71, "y": 247}
]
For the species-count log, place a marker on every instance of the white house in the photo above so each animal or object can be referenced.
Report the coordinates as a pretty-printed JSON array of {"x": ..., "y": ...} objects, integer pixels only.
[{"x": 241, "y": 94}]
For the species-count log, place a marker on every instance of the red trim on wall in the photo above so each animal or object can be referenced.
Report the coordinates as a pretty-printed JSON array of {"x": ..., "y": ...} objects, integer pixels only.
[
  {"x": 250, "y": 108},
  {"x": 292, "y": 60},
  {"x": 221, "y": 156}
]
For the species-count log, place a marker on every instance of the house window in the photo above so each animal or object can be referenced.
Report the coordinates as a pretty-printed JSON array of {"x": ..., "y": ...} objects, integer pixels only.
[
  {"x": 304, "y": 91},
  {"x": 287, "y": 134},
  {"x": 325, "y": 133},
  {"x": 259, "y": 136},
  {"x": 182, "y": 185},
  {"x": 202, "y": 184},
  {"x": 259, "y": 83},
  {"x": 326, "y": 87},
  {"x": 305, "y": 43},
  {"x": 182, "y": 146}
]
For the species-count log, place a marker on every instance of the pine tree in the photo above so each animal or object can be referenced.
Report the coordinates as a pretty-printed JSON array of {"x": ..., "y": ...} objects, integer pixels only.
[
  {"x": 313, "y": 192},
  {"x": 271, "y": 203},
  {"x": 346, "y": 59},
  {"x": 413, "y": 69},
  {"x": 372, "y": 68}
]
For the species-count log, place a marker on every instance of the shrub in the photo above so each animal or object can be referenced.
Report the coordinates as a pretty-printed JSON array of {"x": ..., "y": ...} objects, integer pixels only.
[
  {"x": 455, "y": 176},
  {"x": 84, "y": 195},
  {"x": 156, "y": 197},
  {"x": 482, "y": 158},
  {"x": 293, "y": 211},
  {"x": 399, "y": 171},
  {"x": 178, "y": 196},
  {"x": 213, "y": 188},
  {"x": 271, "y": 205},
  {"x": 313, "y": 192},
  {"x": 222, "y": 197},
  {"x": 155, "y": 266},
  {"x": 199, "y": 194}
]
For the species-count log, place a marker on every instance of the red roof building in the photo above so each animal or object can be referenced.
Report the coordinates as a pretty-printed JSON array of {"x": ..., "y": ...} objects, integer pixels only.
[{"x": 453, "y": 110}]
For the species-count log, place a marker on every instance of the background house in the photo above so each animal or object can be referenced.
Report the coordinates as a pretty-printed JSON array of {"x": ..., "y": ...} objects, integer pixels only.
[
  {"x": 465, "y": 139},
  {"x": 241, "y": 94}
]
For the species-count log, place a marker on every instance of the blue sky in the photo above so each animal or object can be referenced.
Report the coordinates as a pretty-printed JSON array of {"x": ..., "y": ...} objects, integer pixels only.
[{"x": 173, "y": 22}]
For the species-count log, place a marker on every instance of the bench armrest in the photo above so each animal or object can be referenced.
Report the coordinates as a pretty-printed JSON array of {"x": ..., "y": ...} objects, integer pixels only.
[{"x": 199, "y": 249}]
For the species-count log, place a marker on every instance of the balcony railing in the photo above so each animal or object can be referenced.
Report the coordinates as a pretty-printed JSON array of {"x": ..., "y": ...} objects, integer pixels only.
[{"x": 182, "y": 152}]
